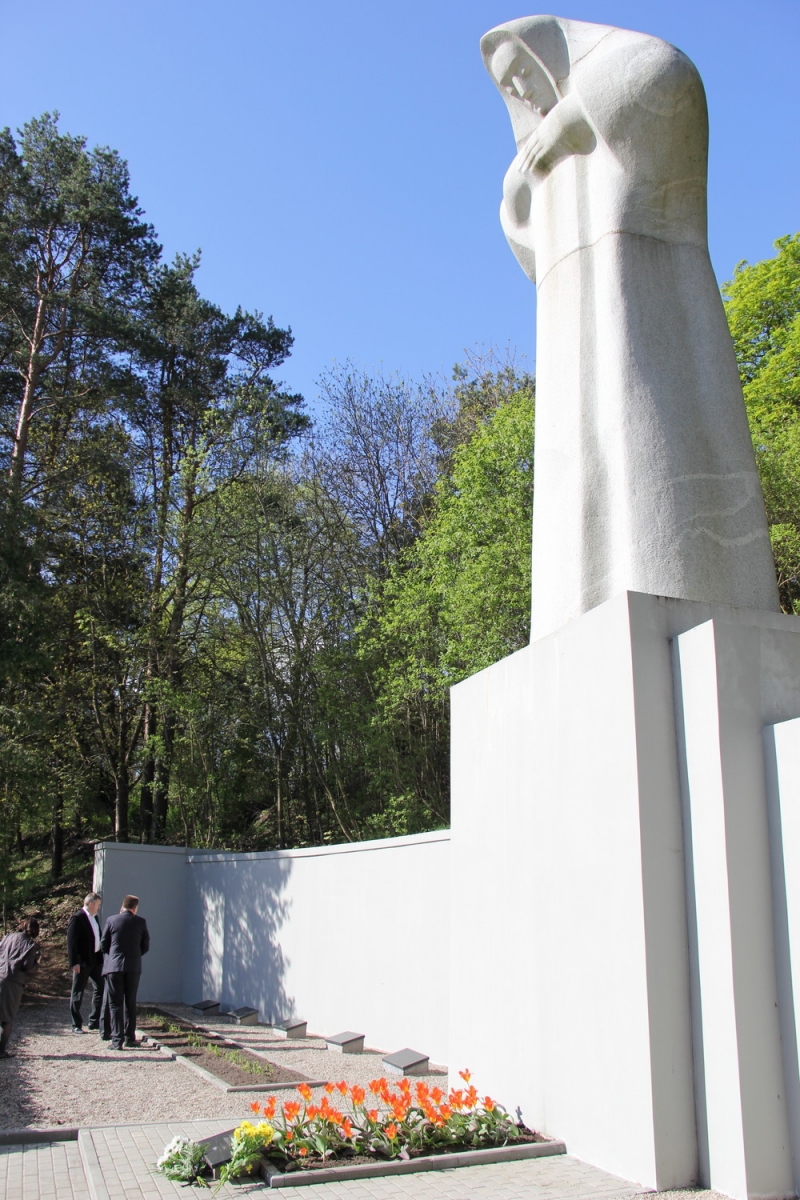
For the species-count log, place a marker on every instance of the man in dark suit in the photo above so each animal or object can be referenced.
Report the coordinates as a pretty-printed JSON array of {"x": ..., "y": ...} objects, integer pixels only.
[
  {"x": 85, "y": 961},
  {"x": 125, "y": 939}
]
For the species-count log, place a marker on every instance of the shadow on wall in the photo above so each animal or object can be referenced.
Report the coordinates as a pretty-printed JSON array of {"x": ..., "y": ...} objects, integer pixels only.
[{"x": 244, "y": 909}]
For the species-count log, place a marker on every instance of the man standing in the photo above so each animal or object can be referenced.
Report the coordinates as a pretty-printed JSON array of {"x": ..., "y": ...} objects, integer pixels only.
[
  {"x": 125, "y": 939},
  {"x": 85, "y": 961}
]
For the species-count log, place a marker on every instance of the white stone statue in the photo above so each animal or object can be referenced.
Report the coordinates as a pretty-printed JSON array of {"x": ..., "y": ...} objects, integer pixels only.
[{"x": 645, "y": 477}]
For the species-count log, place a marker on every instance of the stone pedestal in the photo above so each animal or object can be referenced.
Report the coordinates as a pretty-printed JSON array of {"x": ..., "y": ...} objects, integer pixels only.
[{"x": 619, "y": 863}]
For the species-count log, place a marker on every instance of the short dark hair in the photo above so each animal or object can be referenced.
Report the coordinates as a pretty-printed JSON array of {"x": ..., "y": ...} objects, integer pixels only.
[
  {"x": 30, "y": 926},
  {"x": 130, "y": 902}
]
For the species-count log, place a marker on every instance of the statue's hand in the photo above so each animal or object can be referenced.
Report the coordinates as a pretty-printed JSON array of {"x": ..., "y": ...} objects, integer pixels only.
[{"x": 562, "y": 132}]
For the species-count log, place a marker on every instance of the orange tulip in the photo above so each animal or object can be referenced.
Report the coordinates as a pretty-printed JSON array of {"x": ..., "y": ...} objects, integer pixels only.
[
  {"x": 373, "y": 1114},
  {"x": 342, "y": 1087},
  {"x": 329, "y": 1088},
  {"x": 305, "y": 1091},
  {"x": 347, "y": 1127},
  {"x": 465, "y": 1075},
  {"x": 255, "y": 1106},
  {"x": 303, "y": 1151},
  {"x": 391, "y": 1132},
  {"x": 488, "y": 1103},
  {"x": 436, "y": 1094},
  {"x": 269, "y": 1107},
  {"x": 357, "y": 1094},
  {"x": 291, "y": 1108}
]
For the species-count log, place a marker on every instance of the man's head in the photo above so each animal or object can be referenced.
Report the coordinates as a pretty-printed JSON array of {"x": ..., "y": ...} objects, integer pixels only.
[
  {"x": 521, "y": 76},
  {"x": 92, "y": 903},
  {"x": 130, "y": 904},
  {"x": 30, "y": 926}
]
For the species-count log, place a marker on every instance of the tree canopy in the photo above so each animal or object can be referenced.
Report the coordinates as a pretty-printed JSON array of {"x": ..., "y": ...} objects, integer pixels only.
[{"x": 221, "y": 625}]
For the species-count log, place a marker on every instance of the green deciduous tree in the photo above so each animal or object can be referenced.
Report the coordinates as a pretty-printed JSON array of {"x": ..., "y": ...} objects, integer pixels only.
[{"x": 762, "y": 302}]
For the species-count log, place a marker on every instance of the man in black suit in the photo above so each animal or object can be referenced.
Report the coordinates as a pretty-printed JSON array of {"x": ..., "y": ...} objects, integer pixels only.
[
  {"x": 125, "y": 939},
  {"x": 85, "y": 961}
]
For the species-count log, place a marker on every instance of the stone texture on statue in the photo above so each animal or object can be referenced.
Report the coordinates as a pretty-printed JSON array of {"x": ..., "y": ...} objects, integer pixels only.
[{"x": 644, "y": 468}]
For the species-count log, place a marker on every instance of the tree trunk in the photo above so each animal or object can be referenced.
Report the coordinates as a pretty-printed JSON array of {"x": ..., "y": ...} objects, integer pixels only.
[
  {"x": 57, "y": 837},
  {"x": 121, "y": 802},
  {"x": 148, "y": 775},
  {"x": 161, "y": 796},
  {"x": 20, "y": 446}
]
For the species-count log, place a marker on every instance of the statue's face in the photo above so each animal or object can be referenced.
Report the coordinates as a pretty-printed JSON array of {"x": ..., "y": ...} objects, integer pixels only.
[{"x": 520, "y": 76}]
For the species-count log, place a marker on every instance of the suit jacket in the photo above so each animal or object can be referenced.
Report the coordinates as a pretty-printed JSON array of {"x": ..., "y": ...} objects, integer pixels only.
[
  {"x": 80, "y": 941},
  {"x": 125, "y": 939}
]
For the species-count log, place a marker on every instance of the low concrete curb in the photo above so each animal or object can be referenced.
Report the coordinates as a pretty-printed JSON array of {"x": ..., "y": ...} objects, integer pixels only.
[
  {"x": 28, "y": 1137},
  {"x": 433, "y": 1162},
  {"x": 91, "y": 1167}
]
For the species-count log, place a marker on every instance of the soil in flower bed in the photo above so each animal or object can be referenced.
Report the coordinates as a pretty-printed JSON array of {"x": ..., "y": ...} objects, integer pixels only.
[
  {"x": 526, "y": 1136},
  {"x": 214, "y": 1054}
]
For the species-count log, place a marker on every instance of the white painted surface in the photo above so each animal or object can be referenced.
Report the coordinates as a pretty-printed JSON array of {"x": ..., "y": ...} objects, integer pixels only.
[
  {"x": 782, "y": 750},
  {"x": 572, "y": 748},
  {"x": 645, "y": 475},
  {"x": 568, "y": 748},
  {"x": 351, "y": 936},
  {"x": 156, "y": 874},
  {"x": 733, "y": 680},
  {"x": 568, "y": 977}
]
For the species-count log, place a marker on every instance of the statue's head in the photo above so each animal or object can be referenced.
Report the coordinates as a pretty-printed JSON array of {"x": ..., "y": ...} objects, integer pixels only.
[
  {"x": 519, "y": 74},
  {"x": 528, "y": 60}
]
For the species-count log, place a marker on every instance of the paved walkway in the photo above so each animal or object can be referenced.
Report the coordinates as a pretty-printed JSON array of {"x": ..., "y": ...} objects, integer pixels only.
[{"x": 116, "y": 1163}]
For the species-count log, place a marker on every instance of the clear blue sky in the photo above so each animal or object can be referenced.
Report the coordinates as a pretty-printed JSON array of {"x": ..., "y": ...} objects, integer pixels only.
[{"x": 339, "y": 162}]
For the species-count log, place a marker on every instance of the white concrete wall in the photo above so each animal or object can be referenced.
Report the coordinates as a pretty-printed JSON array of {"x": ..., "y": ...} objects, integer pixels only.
[
  {"x": 347, "y": 937},
  {"x": 157, "y": 875},
  {"x": 782, "y": 754},
  {"x": 565, "y": 797}
]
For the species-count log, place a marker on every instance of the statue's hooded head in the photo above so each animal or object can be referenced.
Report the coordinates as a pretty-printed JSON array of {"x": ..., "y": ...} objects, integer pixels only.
[{"x": 528, "y": 60}]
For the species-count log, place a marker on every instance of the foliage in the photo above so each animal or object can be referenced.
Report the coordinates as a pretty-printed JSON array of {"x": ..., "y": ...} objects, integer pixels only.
[
  {"x": 388, "y": 1124},
  {"x": 762, "y": 302},
  {"x": 181, "y": 1161},
  {"x": 248, "y": 1143},
  {"x": 393, "y": 1124},
  {"x": 219, "y": 626}
]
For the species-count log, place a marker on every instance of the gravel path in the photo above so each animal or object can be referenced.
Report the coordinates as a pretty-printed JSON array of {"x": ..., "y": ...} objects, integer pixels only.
[{"x": 57, "y": 1078}]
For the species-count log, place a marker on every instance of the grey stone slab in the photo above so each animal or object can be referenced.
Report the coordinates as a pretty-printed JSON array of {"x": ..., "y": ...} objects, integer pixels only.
[
  {"x": 346, "y": 1043},
  {"x": 406, "y": 1062},
  {"x": 294, "y": 1028},
  {"x": 244, "y": 1016},
  {"x": 217, "y": 1149},
  {"x": 208, "y": 1007}
]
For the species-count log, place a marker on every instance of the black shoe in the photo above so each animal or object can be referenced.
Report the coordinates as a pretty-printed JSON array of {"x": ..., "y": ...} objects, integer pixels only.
[
  {"x": 93, "y": 1028},
  {"x": 114, "y": 1047},
  {"x": 77, "y": 1029},
  {"x": 130, "y": 1045},
  {"x": 105, "y": 1037}
]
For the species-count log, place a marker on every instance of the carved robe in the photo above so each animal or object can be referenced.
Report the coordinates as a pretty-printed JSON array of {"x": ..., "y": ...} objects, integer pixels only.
[{"x": 645, "y": 478}]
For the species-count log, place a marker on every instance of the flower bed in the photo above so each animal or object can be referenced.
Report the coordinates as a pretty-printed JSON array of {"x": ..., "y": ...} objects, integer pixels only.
[
  {"x": 217, "y": 1055},
  {"x": 350, "y": 1124}
]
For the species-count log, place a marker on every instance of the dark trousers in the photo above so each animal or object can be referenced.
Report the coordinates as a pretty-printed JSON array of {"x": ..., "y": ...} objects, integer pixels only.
[
  {"x": 79, "y": 982},
  {"x": 122, "y": 988},
  {"x": 105, "y": 1013}
]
